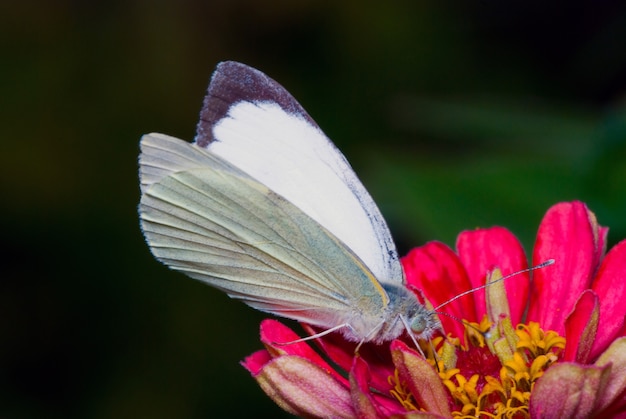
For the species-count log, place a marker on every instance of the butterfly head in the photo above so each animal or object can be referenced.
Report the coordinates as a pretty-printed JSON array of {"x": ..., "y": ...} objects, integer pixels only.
[{"x": 406, "y": 313}]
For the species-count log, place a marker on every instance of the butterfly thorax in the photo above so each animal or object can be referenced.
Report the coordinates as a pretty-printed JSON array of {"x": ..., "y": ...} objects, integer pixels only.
[{"x": 403, "y": 313}]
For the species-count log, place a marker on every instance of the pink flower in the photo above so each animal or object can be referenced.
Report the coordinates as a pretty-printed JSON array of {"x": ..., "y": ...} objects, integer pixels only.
[{"x": 550, "y": 347}]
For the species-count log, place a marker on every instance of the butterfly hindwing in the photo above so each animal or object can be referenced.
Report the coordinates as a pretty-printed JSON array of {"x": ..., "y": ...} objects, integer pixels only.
[{"x": 210, "y": 220}]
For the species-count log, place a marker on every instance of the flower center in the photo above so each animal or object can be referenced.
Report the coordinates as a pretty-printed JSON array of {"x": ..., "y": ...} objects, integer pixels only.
[{"x": 492, "y": 375}]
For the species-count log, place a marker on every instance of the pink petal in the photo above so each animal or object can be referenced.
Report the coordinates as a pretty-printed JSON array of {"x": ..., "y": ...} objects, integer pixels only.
[
  {"x": 256, "y": 361},
  {"x": 274, "y": 335},
  {"x": 603, "y": 232},
  {"x": 485, "y": 249},
  {"x": 303, "y": 389},
  {"x": 600, "y": 238},
  {"x": 421, "y": 378},
  {"x": 334, "y": 346},
  {"x": 614, "y": 395},
  {"x": 363, "y": 399},
  {"x": 581, "y": 327},
  {"x": 610, "y": 285},
  {"x": 436, "y": 270},
  {"x": 567, "y": 236},
  {"x": 342, "y": 353},
  {"x": 568, "y": 390},
  {"x": 277, "y": 338}
]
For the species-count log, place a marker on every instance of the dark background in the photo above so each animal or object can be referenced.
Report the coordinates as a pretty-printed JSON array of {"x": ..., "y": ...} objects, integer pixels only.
[{"x": 454, "y": 114}]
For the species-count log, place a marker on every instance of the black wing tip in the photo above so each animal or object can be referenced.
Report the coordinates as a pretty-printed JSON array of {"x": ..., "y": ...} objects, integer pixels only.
[{"x": 233, "y": 82}]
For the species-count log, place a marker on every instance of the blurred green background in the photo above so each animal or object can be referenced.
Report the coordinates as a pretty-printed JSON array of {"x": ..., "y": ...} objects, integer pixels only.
[{"x": 454, "y": 114}]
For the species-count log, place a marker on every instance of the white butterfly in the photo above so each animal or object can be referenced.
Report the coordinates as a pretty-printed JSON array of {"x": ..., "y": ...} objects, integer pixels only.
[{"x": 264, "y": 207}]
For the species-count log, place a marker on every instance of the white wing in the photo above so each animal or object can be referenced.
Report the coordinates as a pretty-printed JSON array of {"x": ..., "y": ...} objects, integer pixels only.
[
  {"x": 208, "y": 219},
  {"x": 255, "y": 124}
]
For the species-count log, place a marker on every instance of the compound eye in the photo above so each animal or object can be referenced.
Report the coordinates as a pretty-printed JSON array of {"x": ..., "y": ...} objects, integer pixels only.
[{"x": 419, "y": 325}]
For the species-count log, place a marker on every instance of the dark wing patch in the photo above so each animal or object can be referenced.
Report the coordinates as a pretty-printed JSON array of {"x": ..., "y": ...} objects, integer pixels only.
[{"x": 233, "y": 82}]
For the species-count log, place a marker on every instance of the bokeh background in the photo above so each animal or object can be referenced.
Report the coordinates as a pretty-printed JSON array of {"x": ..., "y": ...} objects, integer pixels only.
[{"x": 454, "y": 114}]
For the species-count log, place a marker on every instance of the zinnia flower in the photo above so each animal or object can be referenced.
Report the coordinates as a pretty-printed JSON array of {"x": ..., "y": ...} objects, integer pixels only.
[{"x": 553, "y": 347}]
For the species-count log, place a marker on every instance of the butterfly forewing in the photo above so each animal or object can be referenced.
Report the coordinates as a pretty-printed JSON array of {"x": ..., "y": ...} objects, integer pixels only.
[{"x": 255, "y": 124}]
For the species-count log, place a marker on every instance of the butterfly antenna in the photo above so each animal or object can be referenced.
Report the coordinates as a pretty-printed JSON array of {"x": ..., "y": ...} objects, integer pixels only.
[{"x": 532, "y": 268}]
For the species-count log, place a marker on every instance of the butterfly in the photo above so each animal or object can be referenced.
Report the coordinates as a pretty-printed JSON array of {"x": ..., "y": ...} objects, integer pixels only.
[{"x": 264, "y": 207}]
